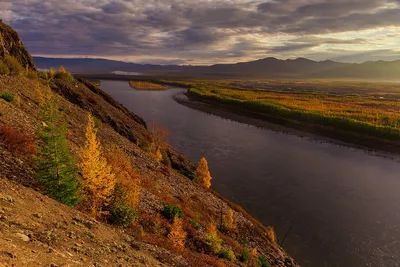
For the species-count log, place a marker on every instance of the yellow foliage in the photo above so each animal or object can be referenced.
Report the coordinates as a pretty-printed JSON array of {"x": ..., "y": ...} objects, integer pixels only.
[
  {"x": 254, "y": 253},
  {"x": 213, "y": 241},
  {"x": 39, "y": 95},
  {"x": 147, "y": 85},
  {"x": 229, "y": 221},
  {"x": 97, "y": 176},
  {"x": 271, "y": 234},
  {"x": 158, "y": 155},
  {"x": 127, "y": 178},
  {"x": 177, "y": 234},
  {"x": 52, "y": 72},
  {"x": 18, "y": 100},
  {"x": 62, "y": 69},
  {"x": 203, "y": 174}
]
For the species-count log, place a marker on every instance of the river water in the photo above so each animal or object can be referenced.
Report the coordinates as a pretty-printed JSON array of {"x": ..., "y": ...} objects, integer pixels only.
[{"x": 343, "y": 203}]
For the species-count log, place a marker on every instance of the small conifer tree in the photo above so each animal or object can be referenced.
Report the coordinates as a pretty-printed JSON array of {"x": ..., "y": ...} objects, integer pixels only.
[
  {"x": 56, "y": 168},
  {"x": 158, "y": 156},
  {"x": 97, "y": 176},
  {"x": 203, "y": 174},
  {"x": 177, "y": 234}
]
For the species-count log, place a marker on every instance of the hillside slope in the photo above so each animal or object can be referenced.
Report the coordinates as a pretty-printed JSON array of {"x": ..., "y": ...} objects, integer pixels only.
[{"x": 37, "y": 230}]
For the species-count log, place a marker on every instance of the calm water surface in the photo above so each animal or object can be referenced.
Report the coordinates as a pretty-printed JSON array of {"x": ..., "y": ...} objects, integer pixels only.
[{"x": 343, "y": 203}]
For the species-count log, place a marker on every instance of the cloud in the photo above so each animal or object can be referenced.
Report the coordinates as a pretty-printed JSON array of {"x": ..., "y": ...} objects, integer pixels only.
[{"x": 202, "y": 31}]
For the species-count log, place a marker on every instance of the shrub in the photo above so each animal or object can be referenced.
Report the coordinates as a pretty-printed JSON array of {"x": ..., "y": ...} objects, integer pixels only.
[
  {"x": 227, "y": 254},
  {"x": 177, "y": 234},
  {"x": 17, "y": 141},
  {"x": 244, "y": 257},
  {"x": 13, "y": 65},
  {"x": 271, "y": 234},
  {"x": 7, "y": 96},
  {"x": 31, "y": 74},
  {"x": 165, "y": 159},
  {"x": 213, "y": 242},
  {"x": 263, "y": 262},
  {"x": 189, "y": 175},
  {"x": 120, "y": 212},
  {"x": 122, "y": 215},
  {"x": 65, "y": 76},
  {"x": 4, "y": 70},
  {"x": 43, "y": 75},
  {"x": 172, "y": 211}
]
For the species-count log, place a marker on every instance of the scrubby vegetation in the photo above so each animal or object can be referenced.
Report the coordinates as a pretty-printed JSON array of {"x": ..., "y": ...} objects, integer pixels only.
[
  {"x": 14, "y": 67},
  {"x": 349, "y": 111},
  {"x": 7, "y": 96},
  {"x": 143, "y": 85}
]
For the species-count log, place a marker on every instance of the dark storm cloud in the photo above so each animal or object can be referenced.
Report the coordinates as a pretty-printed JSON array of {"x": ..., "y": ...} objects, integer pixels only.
[{"x": 184, "y": 30}]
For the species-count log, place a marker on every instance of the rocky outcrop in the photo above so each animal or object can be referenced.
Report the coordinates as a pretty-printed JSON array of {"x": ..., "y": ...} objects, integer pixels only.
[{"x": 11, "y": 44}]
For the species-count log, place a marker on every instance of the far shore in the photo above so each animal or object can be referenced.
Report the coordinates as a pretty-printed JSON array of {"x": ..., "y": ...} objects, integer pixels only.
[{"x": 313, "y": 132}]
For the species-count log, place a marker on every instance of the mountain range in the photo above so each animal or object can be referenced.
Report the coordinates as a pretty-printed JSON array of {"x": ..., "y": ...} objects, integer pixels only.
[{"x": 267, "y": 68}]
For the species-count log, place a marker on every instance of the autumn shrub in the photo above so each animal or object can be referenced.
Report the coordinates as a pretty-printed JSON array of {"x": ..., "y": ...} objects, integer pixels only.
[
  {"x": 128, "y": 180},
  {"x": 271, "y": 235},
  {"x": 17, "y": 141},
  {"x": 64, "y": 75},
  {"x": 262, "y": 261},
  {"x": 4, "y": 70},
  {"x": 213, "y": 242},
  {"x": 227, "y": 254},
  {"x": 177, "y": 235},
  {"x": 120, "y": 212},
  {"x": 7, "y": 96},
  {"x": 172, "y": 211},
  {"x": 228, "y": 220},
  {"x": 13, "y": 65},
  {"x": 43, "y": 75},
  {"x": 32, "y": 74},
  {"x": 244, "y": 257}
]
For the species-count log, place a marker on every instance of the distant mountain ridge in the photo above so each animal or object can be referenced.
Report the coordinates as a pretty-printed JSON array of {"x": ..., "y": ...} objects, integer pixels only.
[{"x": 268, "y": 68}]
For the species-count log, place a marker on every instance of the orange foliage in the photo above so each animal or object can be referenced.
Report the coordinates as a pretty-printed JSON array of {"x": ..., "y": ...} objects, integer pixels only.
[
  {"x": 127, "y": 177},
  {"x": 97, "y": 176},
  {"x": 271, "y": 234},
  {"x": 17, "y": 141},
  {"x": 229, "y": 221},
  {"x": 203, "y": 174},
  {"x": 158, "y": 155},
  {"x": 177, "y": 234}
]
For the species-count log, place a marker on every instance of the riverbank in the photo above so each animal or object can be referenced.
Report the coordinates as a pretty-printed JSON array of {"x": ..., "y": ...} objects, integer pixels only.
[{"x": 286, "y": 126}]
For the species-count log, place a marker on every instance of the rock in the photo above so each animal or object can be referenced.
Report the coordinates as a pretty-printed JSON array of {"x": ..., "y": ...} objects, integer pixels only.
[
  {"x": 10, "y": 44},
  {"x": 23, "y": 237}
]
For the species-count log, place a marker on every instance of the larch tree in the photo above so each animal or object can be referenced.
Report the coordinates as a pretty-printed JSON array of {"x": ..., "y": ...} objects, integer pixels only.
[
  {"x": 56, "y": 167},
  {"x": 128, "y": 179},
  {"x": 158, "y": 155},
  {"x": 97, "y": 176},
  {"x": 203, "y": 174},
  {"x": 177, "y": 235}
]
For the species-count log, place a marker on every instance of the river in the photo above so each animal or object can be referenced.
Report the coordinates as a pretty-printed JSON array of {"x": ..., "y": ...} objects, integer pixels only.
[{"x": 343, "y": 203}]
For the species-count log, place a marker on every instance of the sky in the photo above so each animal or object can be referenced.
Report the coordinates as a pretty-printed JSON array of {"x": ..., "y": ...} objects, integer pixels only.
[{"x": 208, "y": 31}]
